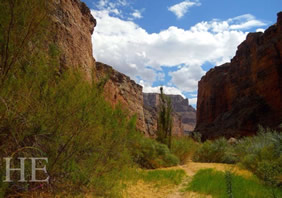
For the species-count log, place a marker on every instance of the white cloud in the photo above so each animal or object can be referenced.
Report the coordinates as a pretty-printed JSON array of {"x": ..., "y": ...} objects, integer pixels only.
[
  {"x": 167, "y": 90},
  {"x": 187, "y": 77},
  {"x": 137, "y": 14},
  {"x": 245, "y": 22},
  {"x": 193, "y": 101},
  {"x": 260, "y": 30},
  {"x": 131, "y": 49},
  {"x": 112, "y": 7},
  {"x": 182, "y": 8}
]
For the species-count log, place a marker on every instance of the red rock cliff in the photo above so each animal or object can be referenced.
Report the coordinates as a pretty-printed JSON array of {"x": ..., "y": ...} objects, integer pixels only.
[
  {"x": 73, "y": 25},
  {"x": 120, "y": 89},
  {"x": 233, "y": 99}
]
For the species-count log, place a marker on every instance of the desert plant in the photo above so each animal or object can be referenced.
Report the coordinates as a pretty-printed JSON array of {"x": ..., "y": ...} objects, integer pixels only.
[
  {"x": 262, "y": 155},
  {"x": 215, "y": 151},
  {"x": 164, "y": 128},
  {"x": 197, "y": 136},
  {"x": 183, "y": 148},
  {"x": 149, "y": 153},
  {"x": 23, "y": 23}
]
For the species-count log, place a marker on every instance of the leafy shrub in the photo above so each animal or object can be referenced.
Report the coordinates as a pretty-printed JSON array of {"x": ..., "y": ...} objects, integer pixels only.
[
  {"x": 68, "y": 121},
  {"x": 215, "y": 151},
  {"x": 149, "y": 153},
  {"x": 48, "y": 112},
  {"x": 262, "y": 155},
  {"x": 197, "y": 136},
  {"x": 183, "y": 148}
]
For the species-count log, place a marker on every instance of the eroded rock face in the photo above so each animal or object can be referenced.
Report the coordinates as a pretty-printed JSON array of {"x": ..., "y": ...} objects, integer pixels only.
[
  {"x": 120, "y": 88},
  {"x": 184, "y": 116},
  {"x": 233, "y": 99},
  {"x": 73, "y": 26}
]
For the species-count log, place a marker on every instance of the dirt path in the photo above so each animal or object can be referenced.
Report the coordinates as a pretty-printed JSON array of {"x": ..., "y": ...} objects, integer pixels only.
[{"x": 145, "y": 190}]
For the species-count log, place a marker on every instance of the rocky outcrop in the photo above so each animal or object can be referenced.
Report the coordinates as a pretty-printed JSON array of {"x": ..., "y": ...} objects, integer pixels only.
[
  {"x": 184, "y": 116},
  {"x": 119, "y": 88},
  {"x": 73, "y": 26},
  {"x": 233, "y": 99}
]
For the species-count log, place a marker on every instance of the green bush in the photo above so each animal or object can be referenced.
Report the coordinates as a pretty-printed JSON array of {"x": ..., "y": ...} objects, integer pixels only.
[
  {"x": 67, "y": 120},
  {"x": 149, "y": 153},
  {"x": 261, "y": 154},
  {"x": 183, "y": 148},
  {"x": 219, "y": 151}
]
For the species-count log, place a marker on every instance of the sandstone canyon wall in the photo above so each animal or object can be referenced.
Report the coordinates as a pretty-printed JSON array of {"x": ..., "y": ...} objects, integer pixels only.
[
  {"x": 73, "y": 26},
  {"x": 184, "y": 115},
  {"x": 119, "y": 88},
  {"x": 233, "y": 99}
]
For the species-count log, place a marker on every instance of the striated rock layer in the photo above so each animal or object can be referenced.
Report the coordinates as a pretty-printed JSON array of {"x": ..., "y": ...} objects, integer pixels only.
[
  {"x": 73, "y": 26},
  {"x": 184, "y": 115},
  {"x": 233, "y": 99},
  {"x": 120, "y": 89}
]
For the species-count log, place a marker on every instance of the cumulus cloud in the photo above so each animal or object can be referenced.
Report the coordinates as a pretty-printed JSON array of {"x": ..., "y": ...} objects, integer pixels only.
[
  {"x": 167, "y": 90},
  {"x": 187, "y": 77},
  {"x": 132, "y": 50},
  {"x": 182, "y": 8}
]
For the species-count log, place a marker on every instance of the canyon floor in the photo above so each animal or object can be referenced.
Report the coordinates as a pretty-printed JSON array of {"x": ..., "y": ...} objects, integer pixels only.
[{"x": 149, "y": 190}]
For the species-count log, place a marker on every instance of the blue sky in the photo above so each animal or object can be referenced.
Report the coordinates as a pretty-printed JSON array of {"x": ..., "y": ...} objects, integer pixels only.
[{"x": 172, "y": 43}]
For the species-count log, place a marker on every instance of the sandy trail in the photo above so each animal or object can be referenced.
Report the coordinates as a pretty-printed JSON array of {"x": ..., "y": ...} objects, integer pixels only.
[{"x": 147, "y": 190}]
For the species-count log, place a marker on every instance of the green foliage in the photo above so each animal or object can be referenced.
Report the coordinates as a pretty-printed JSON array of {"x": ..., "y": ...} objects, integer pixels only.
[
  {"x": 149, "y": 153},
  {"x": 209, "y": 181},
  {"x": 215, "y": 151},
  {"x": 23, "y": 24},
  {"x": 262, "y": 154},
  {"x": 164, "y": 131},
  {"x": 68, "y": 121},
  {"x": 45, "y": 112},
  {"x": 174, "y": 177},
  {"x": 197, "y": 136},
  {"x": 183, "y": 148},
  {"x": 56, "y": 114}
]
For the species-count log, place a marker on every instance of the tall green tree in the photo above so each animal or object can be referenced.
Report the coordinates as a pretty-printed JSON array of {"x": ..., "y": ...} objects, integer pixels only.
[{"x": 164, "y": 129}]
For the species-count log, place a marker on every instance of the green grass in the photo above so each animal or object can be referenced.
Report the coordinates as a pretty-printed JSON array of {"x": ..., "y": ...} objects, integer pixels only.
[
  {"x": 209, "y": 181},
  {"x": 164, "y": 177}
]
